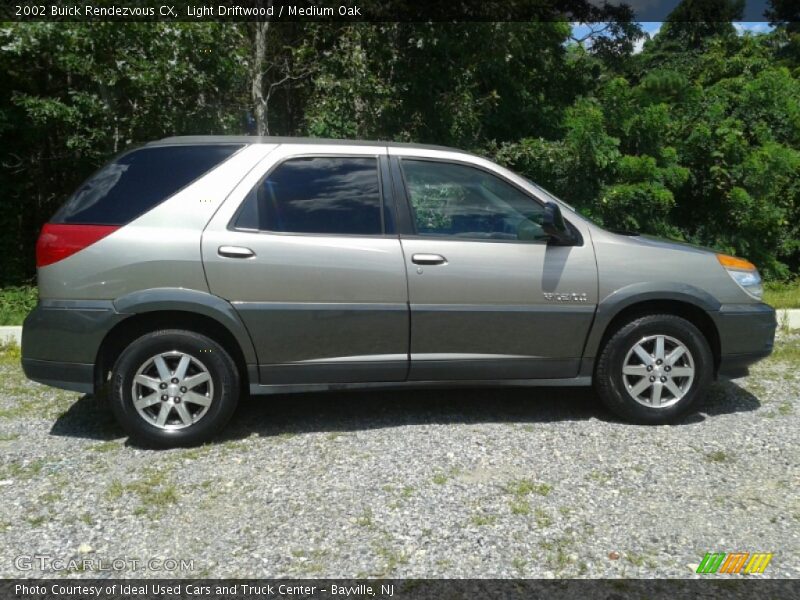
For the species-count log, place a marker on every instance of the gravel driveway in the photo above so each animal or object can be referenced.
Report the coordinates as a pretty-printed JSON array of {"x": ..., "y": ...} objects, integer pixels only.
[{"x": 476, "y": 483}]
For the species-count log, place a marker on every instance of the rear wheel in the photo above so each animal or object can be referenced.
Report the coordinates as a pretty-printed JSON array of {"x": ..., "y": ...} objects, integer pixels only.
[
  {"x": 654, "y": 368},
  {"x": 174, "y": 388}
]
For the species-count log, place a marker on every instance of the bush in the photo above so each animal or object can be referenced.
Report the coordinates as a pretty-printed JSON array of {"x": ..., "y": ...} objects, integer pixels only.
[{"x": 16, "y": 302}]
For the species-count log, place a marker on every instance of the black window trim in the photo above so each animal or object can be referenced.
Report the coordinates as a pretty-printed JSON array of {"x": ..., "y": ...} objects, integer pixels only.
[
  {"x": 409, "y": 228},
  {"x": 381, "y": 197},
  {"x": 137, "y": 148}
]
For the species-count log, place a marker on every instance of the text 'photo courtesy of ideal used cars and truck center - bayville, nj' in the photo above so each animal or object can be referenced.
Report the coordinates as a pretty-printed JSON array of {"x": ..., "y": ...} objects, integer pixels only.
[{"x": 343, "y": 300}]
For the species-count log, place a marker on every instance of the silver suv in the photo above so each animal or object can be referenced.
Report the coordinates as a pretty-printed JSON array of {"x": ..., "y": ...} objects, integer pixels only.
[{"x": 194, "y": 269}]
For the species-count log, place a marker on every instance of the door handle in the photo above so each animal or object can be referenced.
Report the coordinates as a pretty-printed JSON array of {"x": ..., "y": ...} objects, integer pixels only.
[
  {"x": 428, "y": 259},
  {"x": 235, "y": 252}
]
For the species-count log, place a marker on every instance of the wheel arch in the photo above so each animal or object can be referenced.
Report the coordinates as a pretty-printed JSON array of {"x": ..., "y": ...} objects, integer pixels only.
[
  {"x": 680, "y": 300},
  {"x": 168, "y": 308}
]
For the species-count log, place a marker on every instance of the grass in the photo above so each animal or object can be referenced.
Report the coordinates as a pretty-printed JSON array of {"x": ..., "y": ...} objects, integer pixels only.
[
  {"x": 519, "y": 564},
  {"x": 10, "y": 353},
  {"x": 16, "y": 302},
  {"x": 557, "y": 553},
  {"x": 153, "y": 490},
  {"x": 543, "y": 519},
  {"x": 523, "y": 487},
  {"x": 17, "y": 470},
  {"x": 786, "y": 351},
  {"x": 391, "y": 557},
  {"x": 365, "y": 520},
  {"x": 717, "y": 456},
  {"x": 782, "y": 294},
  {"x": 105, "y": 447},
  {"x": 520, "y": 507},
  {"x": 520, "y": 490},
  {"x": 483, "y": 520}
]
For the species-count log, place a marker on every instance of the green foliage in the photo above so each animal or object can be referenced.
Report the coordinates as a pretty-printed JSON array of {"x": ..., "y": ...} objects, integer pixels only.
[
  {"x": 16, "y": 302},
  {"x": 696, "y": 137},
  {"x": 72, "y": 95}
]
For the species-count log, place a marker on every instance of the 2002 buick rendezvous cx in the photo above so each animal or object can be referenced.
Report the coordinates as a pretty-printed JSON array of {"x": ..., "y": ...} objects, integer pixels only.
[{"x": 194, "y": 268}]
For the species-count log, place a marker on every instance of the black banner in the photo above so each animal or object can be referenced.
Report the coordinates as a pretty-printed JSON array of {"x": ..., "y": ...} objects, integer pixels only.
[
  {"x": 585, "y": 11},
  {"x": 733, "y": 587}
]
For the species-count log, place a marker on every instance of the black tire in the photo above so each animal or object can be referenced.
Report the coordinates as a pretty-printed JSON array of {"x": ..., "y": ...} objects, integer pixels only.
[
  {"x": 609, "y": 381},
  {"x": 224, "y": 379}
]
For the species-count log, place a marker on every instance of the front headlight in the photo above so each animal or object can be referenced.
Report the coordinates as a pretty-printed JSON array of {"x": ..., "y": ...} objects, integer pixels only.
[{"x": 744, "y": 273}]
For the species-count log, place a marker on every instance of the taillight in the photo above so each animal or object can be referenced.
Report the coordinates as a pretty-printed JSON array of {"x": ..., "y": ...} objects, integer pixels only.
[{"x": 57, "y": 241}]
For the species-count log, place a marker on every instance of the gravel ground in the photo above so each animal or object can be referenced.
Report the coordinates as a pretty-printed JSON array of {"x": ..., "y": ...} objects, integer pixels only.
[{"x": 476, "y": 483}]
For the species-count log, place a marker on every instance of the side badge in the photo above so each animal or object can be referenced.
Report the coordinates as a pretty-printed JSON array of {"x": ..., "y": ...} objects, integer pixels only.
[{"x": 566, "y": 297}]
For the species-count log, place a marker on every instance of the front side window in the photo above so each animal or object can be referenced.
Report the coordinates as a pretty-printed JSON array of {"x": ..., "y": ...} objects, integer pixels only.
[
  {"x": 456, "y": 200},
  {"x": 316, "y": 195}
]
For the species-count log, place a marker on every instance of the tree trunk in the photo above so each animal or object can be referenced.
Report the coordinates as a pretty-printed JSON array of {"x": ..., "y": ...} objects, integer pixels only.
[{"x": 257, "y": 91}]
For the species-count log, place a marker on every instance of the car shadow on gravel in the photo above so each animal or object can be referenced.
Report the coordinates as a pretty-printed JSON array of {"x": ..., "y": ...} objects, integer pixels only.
[
  {"x": 353, "y": 411},
  {"x": 90, "y": 418},
  {"x": 267, "y": 416}
]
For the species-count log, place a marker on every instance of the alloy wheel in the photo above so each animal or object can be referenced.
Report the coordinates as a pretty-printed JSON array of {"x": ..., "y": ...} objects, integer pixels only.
[
  {"x": 658, "y": 371},
  {"x": 172, "y": 390}
]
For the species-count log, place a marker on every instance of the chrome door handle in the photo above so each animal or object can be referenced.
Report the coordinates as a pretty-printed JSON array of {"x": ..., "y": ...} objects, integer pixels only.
[
  {"x": 235, "y": 252},
  {"x": 428, "y": 259}
]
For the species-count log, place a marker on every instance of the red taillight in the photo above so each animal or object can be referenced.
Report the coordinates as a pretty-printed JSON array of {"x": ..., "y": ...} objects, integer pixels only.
[{"x": 58, "y": 241}]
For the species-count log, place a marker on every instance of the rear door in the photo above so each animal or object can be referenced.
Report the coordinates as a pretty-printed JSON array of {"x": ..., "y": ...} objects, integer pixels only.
[
  {"x": 307, "y": 254},
  {"x": 490, "y": 298}
]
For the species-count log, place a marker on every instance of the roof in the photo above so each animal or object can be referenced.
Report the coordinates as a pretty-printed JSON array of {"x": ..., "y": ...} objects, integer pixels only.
[{"x": 255, "y": 139}]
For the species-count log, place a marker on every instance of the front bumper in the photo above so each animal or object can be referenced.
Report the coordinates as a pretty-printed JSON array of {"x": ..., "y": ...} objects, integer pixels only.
[
  {"x": 60, "y": 341},
  {"x": 746, "y": 335}
]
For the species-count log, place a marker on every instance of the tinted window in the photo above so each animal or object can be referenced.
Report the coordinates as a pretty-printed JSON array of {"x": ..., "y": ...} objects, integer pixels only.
[
  {"x": 137, "y": 181},
  {"x": 450, "y": 199},
  {"x": 316, "y": 195}
]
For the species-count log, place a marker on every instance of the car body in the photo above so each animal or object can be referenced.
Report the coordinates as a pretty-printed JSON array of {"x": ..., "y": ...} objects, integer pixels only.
[{"x": 324, "y": 264}]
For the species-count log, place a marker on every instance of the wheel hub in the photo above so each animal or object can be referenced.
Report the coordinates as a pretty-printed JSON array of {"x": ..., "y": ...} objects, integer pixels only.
[
  {"x": 658, "y": 371},
  {"x": 172, "y": 390}
]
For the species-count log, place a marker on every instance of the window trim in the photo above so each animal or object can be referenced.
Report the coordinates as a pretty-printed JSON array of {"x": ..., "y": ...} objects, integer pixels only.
[
  {"x": 231, "y": 226},
  {"x": 411, "y": 226}
]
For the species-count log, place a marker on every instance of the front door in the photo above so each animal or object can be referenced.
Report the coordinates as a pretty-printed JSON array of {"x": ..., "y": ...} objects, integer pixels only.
[
  {"x": 304, "y": 256},
  {"x": 490, "y": 298}
]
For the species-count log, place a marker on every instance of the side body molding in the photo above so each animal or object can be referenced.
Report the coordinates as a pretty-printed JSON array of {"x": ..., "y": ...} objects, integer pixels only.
[
  {"x": 193, "y": 301},
  {"x": 610, "y": 306}
]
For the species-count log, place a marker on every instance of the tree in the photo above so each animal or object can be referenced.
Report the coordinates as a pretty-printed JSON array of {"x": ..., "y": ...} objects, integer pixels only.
[{"x": 75, "y": 94}]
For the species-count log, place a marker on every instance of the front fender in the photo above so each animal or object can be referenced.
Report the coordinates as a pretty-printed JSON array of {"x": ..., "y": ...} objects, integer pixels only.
[{"x": 193, "y": 301}]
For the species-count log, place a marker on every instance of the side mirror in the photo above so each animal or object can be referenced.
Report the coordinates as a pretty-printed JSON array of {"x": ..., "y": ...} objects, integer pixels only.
[{"x": 554, "y": 225}]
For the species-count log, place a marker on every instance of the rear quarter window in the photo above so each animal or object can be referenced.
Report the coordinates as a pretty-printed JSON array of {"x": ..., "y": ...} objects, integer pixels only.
[{"x": 137, "y": 181}]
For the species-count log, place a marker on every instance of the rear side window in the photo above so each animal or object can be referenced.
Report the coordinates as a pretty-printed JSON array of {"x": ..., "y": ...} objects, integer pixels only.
[
  {"x": 316, "y": 195},
  {"x": 137, "y": 181}
]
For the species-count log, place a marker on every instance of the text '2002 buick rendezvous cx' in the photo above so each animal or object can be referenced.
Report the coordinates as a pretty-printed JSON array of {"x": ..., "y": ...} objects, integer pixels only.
[{"x": 193, "y": 269}]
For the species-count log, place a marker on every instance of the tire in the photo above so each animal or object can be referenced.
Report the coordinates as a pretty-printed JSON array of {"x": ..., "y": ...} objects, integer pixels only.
[
  {"x": 208, "y": 400},
  {"x": 646, "y": 392}
]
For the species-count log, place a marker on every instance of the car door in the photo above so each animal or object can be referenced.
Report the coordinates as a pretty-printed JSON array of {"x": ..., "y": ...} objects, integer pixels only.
[
  {"x": 304, "y": 251},
  {"x": 490, "y": 297}
]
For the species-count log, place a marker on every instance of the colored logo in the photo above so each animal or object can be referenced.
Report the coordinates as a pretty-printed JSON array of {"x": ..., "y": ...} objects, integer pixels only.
[{"x": 734, "y": 562}]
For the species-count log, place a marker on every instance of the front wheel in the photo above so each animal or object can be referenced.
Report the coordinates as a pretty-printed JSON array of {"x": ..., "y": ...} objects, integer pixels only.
[
  {"x": 653, "y": 369},
  {"x": 174, "y": 388}
]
